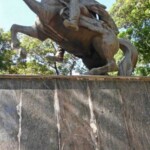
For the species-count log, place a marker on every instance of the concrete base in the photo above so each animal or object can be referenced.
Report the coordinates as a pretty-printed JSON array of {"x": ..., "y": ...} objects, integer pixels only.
[{"x": 74, "y": 113}]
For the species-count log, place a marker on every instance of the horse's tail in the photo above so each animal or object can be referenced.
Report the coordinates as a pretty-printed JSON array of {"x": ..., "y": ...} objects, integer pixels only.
[{"x": 128, "y": 63}]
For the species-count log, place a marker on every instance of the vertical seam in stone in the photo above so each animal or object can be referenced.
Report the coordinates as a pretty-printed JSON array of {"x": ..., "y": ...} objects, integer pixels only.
[
  {"x": 127, "y": 126},
  {"x": 57, "y": 114},
  {"x": 19, "y": 112},
  {"x": 94, "y": 133}
]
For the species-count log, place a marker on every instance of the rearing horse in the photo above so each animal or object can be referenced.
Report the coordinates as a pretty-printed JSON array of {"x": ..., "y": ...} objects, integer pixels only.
[{"x": 95, "y": 42}]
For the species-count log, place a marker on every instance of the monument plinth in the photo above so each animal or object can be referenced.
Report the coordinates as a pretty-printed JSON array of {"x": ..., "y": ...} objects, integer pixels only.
[{"x": 74, "y": 113}]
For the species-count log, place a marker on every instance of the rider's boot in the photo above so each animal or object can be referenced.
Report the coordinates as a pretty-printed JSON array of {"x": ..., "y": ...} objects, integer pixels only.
[
  {"x": 71, "y": 24},
  {"x": 60, "y": 55}
]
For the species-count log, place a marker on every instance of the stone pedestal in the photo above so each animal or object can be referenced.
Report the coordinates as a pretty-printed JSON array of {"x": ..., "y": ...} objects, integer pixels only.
[{"x": 74, "y": 113}]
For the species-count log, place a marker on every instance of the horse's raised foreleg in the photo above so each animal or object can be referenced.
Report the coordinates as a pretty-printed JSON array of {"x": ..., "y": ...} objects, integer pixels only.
[
  {"x": 31, "y": 31},
  {"x": 106, "y": 48}
]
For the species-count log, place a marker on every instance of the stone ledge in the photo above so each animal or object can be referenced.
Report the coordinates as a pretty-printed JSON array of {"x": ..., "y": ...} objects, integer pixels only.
[{"x": 80, "y": 77}]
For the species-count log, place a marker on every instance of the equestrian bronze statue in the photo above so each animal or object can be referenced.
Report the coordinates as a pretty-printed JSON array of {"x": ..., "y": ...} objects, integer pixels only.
[{"x": 82, "y": 28}]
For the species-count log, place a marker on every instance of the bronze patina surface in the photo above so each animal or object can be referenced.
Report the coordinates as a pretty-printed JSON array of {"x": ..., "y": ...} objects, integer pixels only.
[{"x": 82, "y": 28}]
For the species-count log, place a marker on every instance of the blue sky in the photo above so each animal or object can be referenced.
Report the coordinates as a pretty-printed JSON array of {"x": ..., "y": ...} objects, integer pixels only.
[{"x": 16, "y": 11}]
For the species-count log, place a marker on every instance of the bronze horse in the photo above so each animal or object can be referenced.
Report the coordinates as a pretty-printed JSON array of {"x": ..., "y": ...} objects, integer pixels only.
[{"x": 95, "y": 42}]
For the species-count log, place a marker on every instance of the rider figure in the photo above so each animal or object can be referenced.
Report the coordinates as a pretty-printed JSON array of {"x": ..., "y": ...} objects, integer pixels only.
[
  {"x": 74, "y": 14},
  {"x": 72, "y": 23}
]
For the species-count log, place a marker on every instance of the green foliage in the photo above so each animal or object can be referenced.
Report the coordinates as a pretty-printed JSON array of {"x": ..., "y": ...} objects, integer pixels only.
[
  {"x": 30, "y": 58},
  {"x": 133, "y": 19},
  {"x": 31, "y": 68},
  {"x": 11, "y": 61},
  {"x": 143, "y": 70},
  {"x": 37, "y": 50},
  {"x": 6, "y": 54},
  {"x": 130, "y": 12},
  {"x": 6, "y": 61}
]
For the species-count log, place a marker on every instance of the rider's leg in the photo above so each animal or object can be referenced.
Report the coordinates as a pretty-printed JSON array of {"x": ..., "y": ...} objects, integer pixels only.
[
  {"x": 74, "y": 14},
  {"x": 30, "y": 30}
]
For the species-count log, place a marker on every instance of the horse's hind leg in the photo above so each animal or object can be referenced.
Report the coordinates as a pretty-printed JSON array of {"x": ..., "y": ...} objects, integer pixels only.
[
  {"x": 106, "y": 48},
  {"x": 28, "y": 30}
]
